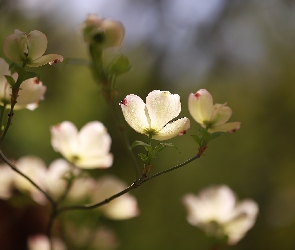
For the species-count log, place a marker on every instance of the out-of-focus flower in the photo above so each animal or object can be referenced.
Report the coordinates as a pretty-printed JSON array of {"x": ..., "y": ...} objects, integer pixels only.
[
  {"x": 123, "y": 207},
  {"x": 28, "y": 49},
  {"x": 212, "y": 117},
  {"x": 41, "y": 242},
  {"x": 57, "y": 173},
  {"x": 104, "y": 239},
  {"x": 88, "y": 148},
  {"x": 35, "y": 169},
  {"x": 154, "y": 117},
  {"x": 6, "y": 181},
  {"x": 105, "y": 33},
  {"x": 82, "y": 188},
  {"x": 100, "y": 239},
  {"x": 30, "y": 92},
  {"x": 217, "y": 212}
]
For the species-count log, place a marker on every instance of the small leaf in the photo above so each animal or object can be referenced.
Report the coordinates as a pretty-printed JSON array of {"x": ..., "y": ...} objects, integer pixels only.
[
  {"x": 216, "y": 134},
  {"x": 120, "y": 65},
  {"x": 140, "y": 143},
  {"x": 10, "y": 80},
  {"x": 143, "y": 157}
]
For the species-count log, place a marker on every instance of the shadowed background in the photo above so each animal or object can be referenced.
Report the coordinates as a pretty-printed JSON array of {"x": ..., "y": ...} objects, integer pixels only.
[{"x": 242, "y": 52}]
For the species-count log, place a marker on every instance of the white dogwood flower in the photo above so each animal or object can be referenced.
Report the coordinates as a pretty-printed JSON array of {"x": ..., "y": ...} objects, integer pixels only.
[
  {"x": 28, "y": 49},
  {"x": 153, "y": 118},
  {"x": 219, "y": 214},
  {"x": 89, "y": 148},
  {"x": 212, "y": 117},
  {"x": 123, "y": 207},
  {"x": 30, "y": 93}
]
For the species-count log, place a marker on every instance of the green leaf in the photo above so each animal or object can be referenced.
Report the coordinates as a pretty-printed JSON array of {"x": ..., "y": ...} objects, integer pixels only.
[
  {"x": 120, "y": 65},
  {"x": 10, "y": 80},
  {"x": 143, "y": 157},
  {"x": 216, "y": 134},
  {"x": 140, "y": 143}
]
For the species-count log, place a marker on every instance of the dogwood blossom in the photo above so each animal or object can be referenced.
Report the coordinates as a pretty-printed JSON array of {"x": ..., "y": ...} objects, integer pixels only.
[
  {"x": 212, "y": 117},
  {"x": 103, "y": 32},
  {"x": 153, "y": 118},
  {"x": 41, "y": 242},
  {"x": 28, "y": 49},
  {"x": 30, "y": 92},
  {"x": 218, "y": 213},
  {"x": 88, "y": 148},
  {"x": 123, "y": 207}
]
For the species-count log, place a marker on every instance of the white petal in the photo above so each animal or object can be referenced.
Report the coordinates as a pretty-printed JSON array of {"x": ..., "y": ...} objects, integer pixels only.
[
  {"x": 134, "y": 111},
  {"x": 221, "y": 114},
  {"x": 243, "y": 219},
  {"x": 162, "y": 107},
  {"x": 200, "y": 106},
  {"x": 124, "y": 207},
  {"x": 37, "y": 44},
  {"x": 31, "y": 92},
  {"x": 94, "y": 146},
  {"x": 55, "y": 182},
  {"x": 227, "y": 127},
  {"x": 64, "y": 139},
  {"x": 172, "y": 129},
  {"x": 50, "y": 59},
  {"x": 95, "y": 161}
]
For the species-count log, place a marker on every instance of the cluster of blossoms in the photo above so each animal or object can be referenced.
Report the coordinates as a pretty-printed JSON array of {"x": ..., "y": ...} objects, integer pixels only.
[
  {"x": 215, "y": 210},
  {"x": 153, "y": 118}
]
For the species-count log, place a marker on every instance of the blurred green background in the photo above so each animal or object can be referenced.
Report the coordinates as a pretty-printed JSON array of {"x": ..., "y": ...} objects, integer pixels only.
[{"x": 242, "y": 52}]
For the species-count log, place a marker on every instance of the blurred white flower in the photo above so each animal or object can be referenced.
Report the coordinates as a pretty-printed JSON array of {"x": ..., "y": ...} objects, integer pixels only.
[
  {"x": 217, "y": 212},
  {"x": 56, "y": 175},
  {"x": 123, "y": 207},
  {"x": 6, "y": 181},
  {"x": 22, "y": 48},
  {"x": 35, "y": 169},
  {"x": 101, "y": 238},
  {"x": 212, "y": 117},
  {"x": 154, "y": 117},
  {"x": 41, "y": 242},
  {"x": 82, "y": 188},
  {"x": 30, "y": 93},
  {"x": 87, "y": 149},
  {"x": 103, "y": 32}
]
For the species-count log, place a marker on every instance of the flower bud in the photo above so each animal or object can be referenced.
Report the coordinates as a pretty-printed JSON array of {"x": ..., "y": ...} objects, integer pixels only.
[{"x": 105, "y": 33}]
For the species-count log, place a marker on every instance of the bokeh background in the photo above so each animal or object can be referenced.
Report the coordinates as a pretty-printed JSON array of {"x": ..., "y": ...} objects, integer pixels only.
[{"x": 242, "y": 51}]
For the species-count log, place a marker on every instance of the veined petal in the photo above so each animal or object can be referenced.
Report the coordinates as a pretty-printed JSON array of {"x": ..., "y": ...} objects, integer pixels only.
[
  {"x": 37, "y": 44},
  {"x": 221, "y": 114},
  {"x": 227, "y": 127},
  {"x": 162, "y": 107},
  {"x": 51, "y": 59},
  {"x": 134, "y": 111},
  {"x": 172, "y": 129},
  {"x": 200, "y": 106},
  {"x": 12, "y": 47},
  {"x": 64, "y": 139}
]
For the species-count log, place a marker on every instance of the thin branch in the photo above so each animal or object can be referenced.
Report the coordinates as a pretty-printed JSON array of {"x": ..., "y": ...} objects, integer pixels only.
[{"x": 126, "y": 190}]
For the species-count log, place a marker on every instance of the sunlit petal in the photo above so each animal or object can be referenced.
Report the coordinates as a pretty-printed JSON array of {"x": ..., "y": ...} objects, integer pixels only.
[
  {"x": 162, "y": 107},
  {"x": 173, "y": 129},
  {"x": 227, "y": 127},
  {"x": 134, "y": 111}
]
